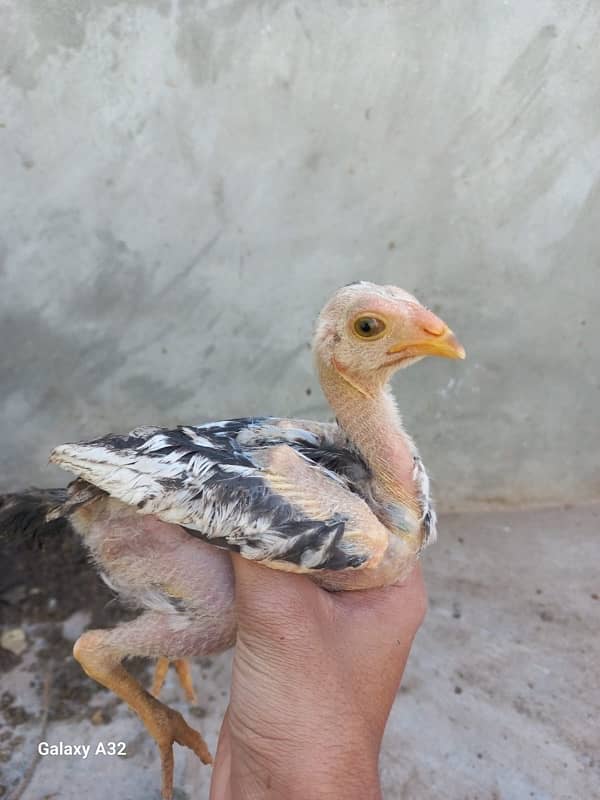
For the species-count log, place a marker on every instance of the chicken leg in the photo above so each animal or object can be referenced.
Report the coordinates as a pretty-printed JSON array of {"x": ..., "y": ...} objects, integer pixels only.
[
  {"x": 185, "y": 591},
  {"x": 182, "y": 667},
  {"x": 100, "y": 653}
]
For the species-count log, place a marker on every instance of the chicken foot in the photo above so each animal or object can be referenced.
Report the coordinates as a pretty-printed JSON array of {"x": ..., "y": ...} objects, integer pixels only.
[
  {"x": 182, "y": 667},
  {"x": 100, "y": 653}
]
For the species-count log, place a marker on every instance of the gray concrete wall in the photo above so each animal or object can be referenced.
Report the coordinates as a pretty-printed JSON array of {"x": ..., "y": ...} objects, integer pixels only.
[{"x": 184, "y": 183}]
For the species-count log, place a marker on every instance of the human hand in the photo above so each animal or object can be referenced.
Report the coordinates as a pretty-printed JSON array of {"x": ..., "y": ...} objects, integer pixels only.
[{"x": 314, "y": 678}]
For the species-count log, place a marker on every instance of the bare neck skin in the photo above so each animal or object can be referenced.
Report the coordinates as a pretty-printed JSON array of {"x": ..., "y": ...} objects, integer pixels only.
[{"x": 370, "y": 418}]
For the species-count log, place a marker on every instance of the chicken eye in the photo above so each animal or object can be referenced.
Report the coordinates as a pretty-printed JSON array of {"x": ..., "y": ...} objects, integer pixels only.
[{"x": 369, "y": 327}]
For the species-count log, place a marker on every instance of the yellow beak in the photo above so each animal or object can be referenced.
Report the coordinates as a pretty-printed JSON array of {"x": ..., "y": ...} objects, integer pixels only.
[{"x": 432, "y": 337}]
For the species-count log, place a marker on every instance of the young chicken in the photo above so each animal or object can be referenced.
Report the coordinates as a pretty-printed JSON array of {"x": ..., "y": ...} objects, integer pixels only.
[{"x": 346, "y": 503}]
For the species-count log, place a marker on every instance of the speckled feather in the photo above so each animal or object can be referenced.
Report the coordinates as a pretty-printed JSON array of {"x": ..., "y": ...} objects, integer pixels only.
[{"x": 293, "y": 493}]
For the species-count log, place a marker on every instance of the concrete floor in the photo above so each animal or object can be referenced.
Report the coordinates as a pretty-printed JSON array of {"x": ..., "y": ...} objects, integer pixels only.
[{"x": 501, "y": 698}]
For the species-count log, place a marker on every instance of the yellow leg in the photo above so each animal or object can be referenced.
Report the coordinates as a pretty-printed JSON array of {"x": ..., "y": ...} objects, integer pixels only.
[
  {"x": 103, "y": 663},
  {"x": 182, "y": 667},
  {"x": 160, "y": 673}
]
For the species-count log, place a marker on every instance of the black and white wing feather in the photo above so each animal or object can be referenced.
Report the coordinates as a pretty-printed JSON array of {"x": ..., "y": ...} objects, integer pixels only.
[{"x": 287, "y": 492}]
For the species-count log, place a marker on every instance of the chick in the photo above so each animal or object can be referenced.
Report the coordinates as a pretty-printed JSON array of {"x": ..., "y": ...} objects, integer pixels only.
[{"x": 346, "y": 503}]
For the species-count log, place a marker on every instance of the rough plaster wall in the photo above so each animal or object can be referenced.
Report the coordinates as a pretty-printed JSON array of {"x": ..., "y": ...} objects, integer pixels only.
[{"x": 183, "y": 183}]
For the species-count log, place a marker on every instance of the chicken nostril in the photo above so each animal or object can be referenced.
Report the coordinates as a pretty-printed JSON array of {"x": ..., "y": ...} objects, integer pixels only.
[{"x": 435, "y": 329}]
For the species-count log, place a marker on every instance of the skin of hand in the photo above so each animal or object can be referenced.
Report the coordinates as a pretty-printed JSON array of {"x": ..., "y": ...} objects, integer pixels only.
[{"x": 314, "y": 678}]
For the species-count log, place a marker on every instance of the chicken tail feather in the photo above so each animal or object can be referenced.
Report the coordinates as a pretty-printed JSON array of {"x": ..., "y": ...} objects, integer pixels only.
[{"x": 32, "y": 514}]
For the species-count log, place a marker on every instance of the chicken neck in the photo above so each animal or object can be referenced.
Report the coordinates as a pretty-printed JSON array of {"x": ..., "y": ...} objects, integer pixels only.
[{"x": 369, "y": 416}]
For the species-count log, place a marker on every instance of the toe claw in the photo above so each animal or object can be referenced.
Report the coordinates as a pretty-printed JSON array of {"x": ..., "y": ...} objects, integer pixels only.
[{"x": 186, "y": 736}]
